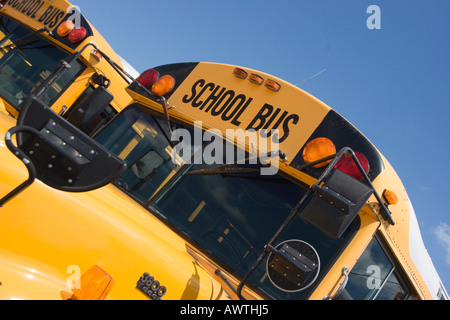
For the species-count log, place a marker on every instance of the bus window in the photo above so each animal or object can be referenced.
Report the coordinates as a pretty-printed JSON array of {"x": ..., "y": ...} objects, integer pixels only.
[
  {"x": 374, "y": 277},
  {"x": 26, "y": 60},
  {"x": 139, "y": 139}
]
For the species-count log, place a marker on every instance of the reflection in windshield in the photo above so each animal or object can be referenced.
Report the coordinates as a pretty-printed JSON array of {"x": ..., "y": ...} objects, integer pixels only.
[
  {"x": 230, "y": 216},
  {"x": 26, "y": 61},
  {"x": 233, "y": 216}
]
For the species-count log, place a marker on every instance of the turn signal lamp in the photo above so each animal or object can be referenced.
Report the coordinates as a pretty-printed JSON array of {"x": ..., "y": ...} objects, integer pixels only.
[
  {"x": 148, "y": 77},
  {"x": 94, "y": 284},
  {"x": 348, "y": 165},
  {"x": 65, "y": 28},
  {"x": 390, "y": 197},
  {"x": 163, "y": 85},
  {"x": 317, "y": 149},
  {"x": 77, "y": 34}
]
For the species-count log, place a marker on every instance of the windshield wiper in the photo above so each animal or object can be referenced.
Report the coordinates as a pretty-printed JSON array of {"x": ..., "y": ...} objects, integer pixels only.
[
  {"x": 221, "y": 170},
  {"x": 227, "y": 168},
  {"x": 19, "y": 42}
]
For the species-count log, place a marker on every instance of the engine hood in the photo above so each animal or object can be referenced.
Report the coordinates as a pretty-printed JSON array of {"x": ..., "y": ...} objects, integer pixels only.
[{"x": 48, "y": 238}]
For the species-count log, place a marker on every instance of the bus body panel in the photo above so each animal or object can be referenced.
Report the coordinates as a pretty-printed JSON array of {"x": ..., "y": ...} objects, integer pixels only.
[{"x": 223, "y": 101}]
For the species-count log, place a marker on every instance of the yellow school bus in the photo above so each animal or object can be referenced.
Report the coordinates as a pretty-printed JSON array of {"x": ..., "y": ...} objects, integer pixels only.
[
  {"x": 38, "y": 37},
  {"x": 216, "y": 182}
]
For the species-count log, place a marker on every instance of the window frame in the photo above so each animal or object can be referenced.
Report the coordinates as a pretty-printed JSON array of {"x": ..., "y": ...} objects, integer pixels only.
[{"x": 396, "y": 270}]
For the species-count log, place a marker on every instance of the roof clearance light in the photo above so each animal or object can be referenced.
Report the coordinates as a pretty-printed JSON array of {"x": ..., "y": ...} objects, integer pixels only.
[
  {"x": 163, "y": 85},
  {"x": 77, "y": 34},
  {"x": 317, "y": 149},
  {"x": 254, "y": 78},
  {"x": 65, "y": 28},
  {"x": 347, "y": 165},
  {"x": 148, "y": 77},
  {"x": 272, "y": 85},
  {"x": 238, "y": 72},
  {"x": 390, "y": 197},
  {"x": 94, "y": 284}
]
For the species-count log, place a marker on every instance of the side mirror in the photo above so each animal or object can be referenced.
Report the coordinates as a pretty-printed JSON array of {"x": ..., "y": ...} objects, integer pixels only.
[
  {"x": 59, "y": 154},
  {"x": 336, "y": 203},
  {"x": 90, "y": 107},
  {"x": 292, "y": 265}
]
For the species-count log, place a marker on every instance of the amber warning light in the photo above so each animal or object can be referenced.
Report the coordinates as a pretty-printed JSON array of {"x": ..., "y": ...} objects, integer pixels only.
[
  {"x": 159, "y": 86},
  {"x": 94, "y": 284},
  {"x": 68, "y": 29},
  {"x": 317, "y": 149}
]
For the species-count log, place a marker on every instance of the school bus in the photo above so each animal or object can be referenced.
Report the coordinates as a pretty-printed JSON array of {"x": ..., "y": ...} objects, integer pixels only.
[
  {"x": 335, "y": 222},
  {"x": 216, "y": 182},
  {"x": 38, "y": 37}
]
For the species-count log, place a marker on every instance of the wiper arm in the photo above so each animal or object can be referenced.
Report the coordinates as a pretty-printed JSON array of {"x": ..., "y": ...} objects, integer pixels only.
[
  {"x": 18, "y": 42},
  {"x": 221, "y": 170},
  {"x": 226, "y": 168}
]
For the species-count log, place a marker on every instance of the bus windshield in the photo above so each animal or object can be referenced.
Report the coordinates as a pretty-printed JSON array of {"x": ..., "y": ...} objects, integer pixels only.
[
  {"x": 26, "y": 60},
  {"x": 230, "y": 217}
]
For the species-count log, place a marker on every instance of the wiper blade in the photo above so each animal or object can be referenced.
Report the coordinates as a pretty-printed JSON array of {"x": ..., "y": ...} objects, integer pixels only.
[
  {"x": 226, "y": 168},
  {"x": 221, "y": 170},
  {"x": 20, "y": 43}
]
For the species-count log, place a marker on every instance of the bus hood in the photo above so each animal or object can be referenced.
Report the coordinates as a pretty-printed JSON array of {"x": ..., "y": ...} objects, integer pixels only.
[{"x": 49, "y": 238}]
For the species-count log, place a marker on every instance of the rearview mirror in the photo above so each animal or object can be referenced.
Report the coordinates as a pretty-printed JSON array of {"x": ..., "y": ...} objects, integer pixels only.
[
  {"x": 59, "y": 154},
  {"x": 292, "y": 265},
  {"x": 90, "y": 107}
]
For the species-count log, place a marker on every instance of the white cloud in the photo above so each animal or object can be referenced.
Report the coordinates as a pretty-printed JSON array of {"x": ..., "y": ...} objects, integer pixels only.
[{"x": 442, "y": 232}]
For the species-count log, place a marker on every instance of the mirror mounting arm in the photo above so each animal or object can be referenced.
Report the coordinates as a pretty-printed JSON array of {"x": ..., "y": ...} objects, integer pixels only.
[{"x": 23, "y": 157}]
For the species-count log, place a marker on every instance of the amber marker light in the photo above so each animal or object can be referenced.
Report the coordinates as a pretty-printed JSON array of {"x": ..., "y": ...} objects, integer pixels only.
[
  {"x": 163, "y": 85},
  {"x": 238, "y": 72},
  {"x": 94, "y": 284},
  {"x": 97, "y": 55},
  {"x": 390, "y": 197},
  {"x": 272, "y": 85},
  {"x": 65, "y": 28},
  {"x": 254, "y": 78},
  {"x": 317, "y": 149}
]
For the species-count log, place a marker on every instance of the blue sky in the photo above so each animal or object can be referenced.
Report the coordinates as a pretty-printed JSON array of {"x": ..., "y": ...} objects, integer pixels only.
[{"x": 391, "y": 83}]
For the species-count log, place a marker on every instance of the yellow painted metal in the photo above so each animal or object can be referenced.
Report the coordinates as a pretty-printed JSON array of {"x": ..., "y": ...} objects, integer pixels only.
[{"x": 52, "y": 232}]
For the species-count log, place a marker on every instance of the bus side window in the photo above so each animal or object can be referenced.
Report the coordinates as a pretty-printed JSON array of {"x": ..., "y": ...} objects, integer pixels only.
[{"x": 375, "y": 277}]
